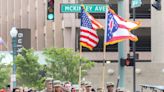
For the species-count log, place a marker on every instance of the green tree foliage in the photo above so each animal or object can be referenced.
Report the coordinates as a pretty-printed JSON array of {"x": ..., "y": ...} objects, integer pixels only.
[
  {"x": 28, "y": 69},
  {"x": 63, "y": 64},
  {"x": 1, "y": 57},
  {"x": 4, "y": 73}
]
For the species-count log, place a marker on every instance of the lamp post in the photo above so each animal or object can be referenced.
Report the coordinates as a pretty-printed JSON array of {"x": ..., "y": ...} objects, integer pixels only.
[{"x": 13, "y": 34}]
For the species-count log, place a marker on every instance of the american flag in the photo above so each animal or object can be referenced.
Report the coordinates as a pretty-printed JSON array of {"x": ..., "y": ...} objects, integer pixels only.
[
  {"x": 88, "y": 34},
  {"x": 118, "y": 29}
]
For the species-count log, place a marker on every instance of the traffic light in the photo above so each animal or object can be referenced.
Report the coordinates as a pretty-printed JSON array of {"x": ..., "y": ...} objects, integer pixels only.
[
  {"x": 50, "y": 10},
  {"x": 127, "y": 62},
  {"x": 157, "y": 4}
]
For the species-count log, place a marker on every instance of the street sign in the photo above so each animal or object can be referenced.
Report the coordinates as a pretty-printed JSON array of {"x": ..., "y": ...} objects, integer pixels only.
[
  {"x": 76, "y": 8},
  {"x": 23, "y": 39},
  {"x": 136, "y": 3}
]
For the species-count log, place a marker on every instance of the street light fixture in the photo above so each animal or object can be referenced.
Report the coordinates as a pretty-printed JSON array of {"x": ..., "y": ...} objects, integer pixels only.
[{"x": 13, "y": 34}]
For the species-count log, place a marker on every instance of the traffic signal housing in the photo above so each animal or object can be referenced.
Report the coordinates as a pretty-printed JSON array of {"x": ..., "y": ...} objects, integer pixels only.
[
  {"x": 50, "y": 10},
  {"x": 127, "y": 62},
  {"x": 157, "y": 5}
]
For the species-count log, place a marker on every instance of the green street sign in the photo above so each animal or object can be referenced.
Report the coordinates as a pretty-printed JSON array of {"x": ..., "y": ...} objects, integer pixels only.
[
  {"x": 136, "y": 3},
  {"x": 76, "y": 8}
]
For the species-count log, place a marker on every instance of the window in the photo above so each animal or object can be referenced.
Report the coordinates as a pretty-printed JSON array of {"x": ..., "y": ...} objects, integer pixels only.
[
  {"x": 143, "y": 44},
  {"x": 144, "y": 39},
  {"x": 142, "y": 12}
]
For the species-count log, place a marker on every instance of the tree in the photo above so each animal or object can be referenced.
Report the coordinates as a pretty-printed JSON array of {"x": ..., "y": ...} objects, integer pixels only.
[
  {"x": 1, "y": 57},
  {"x": 63, "y": 64},
  {"x": 4, "y": 73},
  {"x": 28, "y": 69}
]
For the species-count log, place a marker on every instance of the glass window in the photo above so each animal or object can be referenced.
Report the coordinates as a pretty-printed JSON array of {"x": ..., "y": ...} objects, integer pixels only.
[
  {"x": 143, "y": 44},
  {"x": 142, "y": 12},
  {"x": 144, "y": 39}
]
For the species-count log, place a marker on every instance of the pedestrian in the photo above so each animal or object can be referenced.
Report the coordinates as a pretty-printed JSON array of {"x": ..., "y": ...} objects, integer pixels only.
[
  {"x": 99, "y": 90},
  {"x": 8, "y": 88},
  {"x": 57, "y": 87},
  {"x": 3, "y": 90},
  {"x": 88, "y": 87},
  {"x": 67, "y": 86},
  {"x": 82, "y": 86},
  {"x": 48, "y": 85},
  {"x": 73, "y": 89},
  {"x": 25, "y": 89},
  {"x": 21, "y": 89},
  {"x": 16, "y": 89},
  {"x": 93, "y": 90},
  {"x": 110, "y": 87},
  {"x": 120, "y": 90}
]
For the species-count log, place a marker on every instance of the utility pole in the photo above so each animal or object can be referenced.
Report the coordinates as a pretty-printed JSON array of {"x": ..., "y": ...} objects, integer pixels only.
[{"x": 121, "y": 48}]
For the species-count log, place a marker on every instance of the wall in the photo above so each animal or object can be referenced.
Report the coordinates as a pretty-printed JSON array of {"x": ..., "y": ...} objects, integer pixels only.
[
  {"x": 157, "y": 30},
  {"x": 149, "y": 74},
  {"x": 27, "y": 14}
]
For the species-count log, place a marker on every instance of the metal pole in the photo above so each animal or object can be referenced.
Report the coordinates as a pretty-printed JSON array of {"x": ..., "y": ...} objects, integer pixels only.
[
  {"x": 103, "y": 76},
  {"x": 134, "y": 56},
  {"x": 80, "y": 68},
  {"x": 80, "y": 55},
  {"x": 121, "y": 47},
  {"x": 14, "y": 46},
  {"x": 104, "y": 53}
]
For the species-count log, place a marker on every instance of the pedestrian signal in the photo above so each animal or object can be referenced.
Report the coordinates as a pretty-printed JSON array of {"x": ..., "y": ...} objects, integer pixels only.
[{"x": 127, "y": 62}]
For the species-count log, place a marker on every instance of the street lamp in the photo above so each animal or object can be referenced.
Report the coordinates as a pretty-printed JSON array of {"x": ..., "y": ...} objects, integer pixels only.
[{"x": 13, "y": 33}]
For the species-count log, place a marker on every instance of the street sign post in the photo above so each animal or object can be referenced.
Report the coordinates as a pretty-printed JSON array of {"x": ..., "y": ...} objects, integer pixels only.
[
  {"x": 136, "y": 3},
  {"x": 76, "y": 8}
]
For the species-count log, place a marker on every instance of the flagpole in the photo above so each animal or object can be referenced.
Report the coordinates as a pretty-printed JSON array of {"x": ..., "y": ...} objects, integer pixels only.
[
  {"x": 80, "y": 59},
  {"x": 80, "y": 68},
  {"x": 103, "y": 74},
  {"x": 104, "y": 49},
  {"x": 134, "y": 56}
]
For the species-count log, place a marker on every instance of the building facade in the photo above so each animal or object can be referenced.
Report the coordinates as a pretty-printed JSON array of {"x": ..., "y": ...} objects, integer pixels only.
[
  {"x": 64, "y": 30},
  {"x": 144, "y": 32}
]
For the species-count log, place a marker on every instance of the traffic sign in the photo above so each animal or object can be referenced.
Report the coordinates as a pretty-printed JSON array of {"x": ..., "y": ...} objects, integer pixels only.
[
  {"x": 76, "y": 8},
  {"x": 136, "y": 3}
]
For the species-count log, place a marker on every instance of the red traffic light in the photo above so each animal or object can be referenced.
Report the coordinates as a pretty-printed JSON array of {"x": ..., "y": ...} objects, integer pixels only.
[{"x": 127, "y": 62}]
